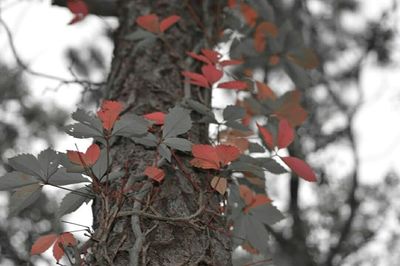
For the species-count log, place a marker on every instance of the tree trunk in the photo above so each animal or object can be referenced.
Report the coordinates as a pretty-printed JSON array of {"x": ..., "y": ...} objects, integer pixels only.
[{"x": 149, "y": 80}]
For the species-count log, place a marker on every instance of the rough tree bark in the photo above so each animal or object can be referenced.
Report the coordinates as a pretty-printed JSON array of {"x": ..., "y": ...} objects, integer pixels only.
[{"x": 149, "y": 81}]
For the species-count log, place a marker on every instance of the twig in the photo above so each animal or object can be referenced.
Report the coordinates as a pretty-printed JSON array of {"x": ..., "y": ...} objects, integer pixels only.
[
  {"x": 26, "y": 68},
  {"x": 135, "y": 224}
]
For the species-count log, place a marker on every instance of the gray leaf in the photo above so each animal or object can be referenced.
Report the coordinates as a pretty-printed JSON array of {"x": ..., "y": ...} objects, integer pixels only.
[
  {"x": 200, "y": 108},
  {"x": 130, "y": 125},
  {"x": 267, "y": 214},
  {"x": 23, "y": 198},
  {"x": 255, "y": 148},
  {"x": 62, "y": 178},
  {"x": 236, "y": 125},
  {"x": 82, "y": 131},
  {"x": 100, "y": 167},
  {"x": 26, "y": 163},
  {"x": 273, "y": 166},
  {"x": 256, "y": 234},
  {"x": 49, "y": 161},
  {"x": 70, "y": 167},
  {"x": 13, "y": 180},
  {"x": 232, "y": 112},
  {"x": 164, "y": 152},
  {"x": 179, "y": 144},
  {"x": 85, "y": 118},
  {"x": 246, "y": 167},
  {"x": 148, "y": 140},
  {"x": 139, "y": 34},
  {"x": 239, "y": 231},
  {"x": 177, "y": 122},
  {"x": 73, "y": 200}
]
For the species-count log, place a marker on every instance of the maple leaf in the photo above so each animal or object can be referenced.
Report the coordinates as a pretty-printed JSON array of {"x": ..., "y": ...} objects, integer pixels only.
[
  {"x": 157, "y": 117},
  {"x": 59, "y": 243},
  {"x": 219, "y": 184},
  {"x": 264, "y": 92},
  {"x": 79, "y": 9},
  {"x": 212, "y": 57},
  {"x": 267, "y": 136},
  {"x": 149, "y": 22},
  {"x": 152, "y": 23},
  {"x": 301, "y": 168},
  {"x": 249, "y": 14},
  {"x": 196, "y": 79},
  {"x": 235, "y": 138},
  {"x": 109, "y": 113},
  {"x": 251, "y": 199},
  {"x": 210, "y": 75},
  {"x": 285, "y": 134},
  {"x": 154, "y": 173},
  {"x": 88, "y": 158},
  {"x": 168, "y": 22},
  {"x": 290, "y": 108},
  {"x": 235, "y": 85},
  {"x": 209, "y": 157},
  {"x": 283, "y": 139},
  {"x": 264, "y": 30}
]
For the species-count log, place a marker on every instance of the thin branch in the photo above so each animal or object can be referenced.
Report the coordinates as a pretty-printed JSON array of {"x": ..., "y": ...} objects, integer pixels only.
[
  {"x": 135, "y": 224},
  {"x": 28, "y": 70}
]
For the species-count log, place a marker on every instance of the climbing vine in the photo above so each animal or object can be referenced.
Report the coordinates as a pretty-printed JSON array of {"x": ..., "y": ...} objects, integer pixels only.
[{"x": 261, "y": 122}]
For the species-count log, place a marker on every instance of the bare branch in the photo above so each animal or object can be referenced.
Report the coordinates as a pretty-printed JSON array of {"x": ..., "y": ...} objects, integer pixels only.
[{"x": 25, "y": 67}]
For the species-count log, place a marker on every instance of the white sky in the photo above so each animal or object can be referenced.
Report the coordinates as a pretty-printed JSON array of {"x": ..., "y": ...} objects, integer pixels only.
[{"x": 41, "y": 34}]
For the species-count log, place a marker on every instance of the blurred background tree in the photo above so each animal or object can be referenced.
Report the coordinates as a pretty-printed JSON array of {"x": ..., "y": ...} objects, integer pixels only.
[{"x": 343, "y": 219}]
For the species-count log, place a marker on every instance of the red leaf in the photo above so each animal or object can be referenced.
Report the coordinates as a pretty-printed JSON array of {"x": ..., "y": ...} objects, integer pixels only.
[
  {"x": 64, "y": 240},
  {"x": 60, "y": 242},
  {"x": 231, "y": 3},
  {"x": 89, "y": 157},
  {"x": 264, "y": 30},
  {"x": 227, "y": 153},
  {"x": 249, "y": 14},
  {"x": 109, "y": 113},
  {"x": 274, "y": 60},
  {"x": 206, "y": 157},
  {"x": 196, "y": 79},
  {"x": 79, "y": 9},
  {"x": 209, "y": 157},
  {"x": 157, "y": 117},
  {"x": 258, "y": 200},
  {"x": 285, "y": 134},
  {"x": 201, "y": 58},
  {"x": 305, "y": 58},
  {"x": 290, "y": 109},
  {"x": 251, "y": 199},
  {"x": 301, "y": 168},
  {"x": 264, "y": 92},
  {"x": 168, "y": 22},
  {"x": 230, "y": 62},
  {"x": 149, "y": 22},
  {"x": 219, "y": 184},
  {"x": 211, "y": 73},
  {"x": 43, "y": 243},
  {"x": 154, "y": 173},
  {"x": 267, "y": 136},
  {"x": 233, "y": 85},
  {"x": 246, "y": 194},
  {"x": 212, "y": 55}
]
